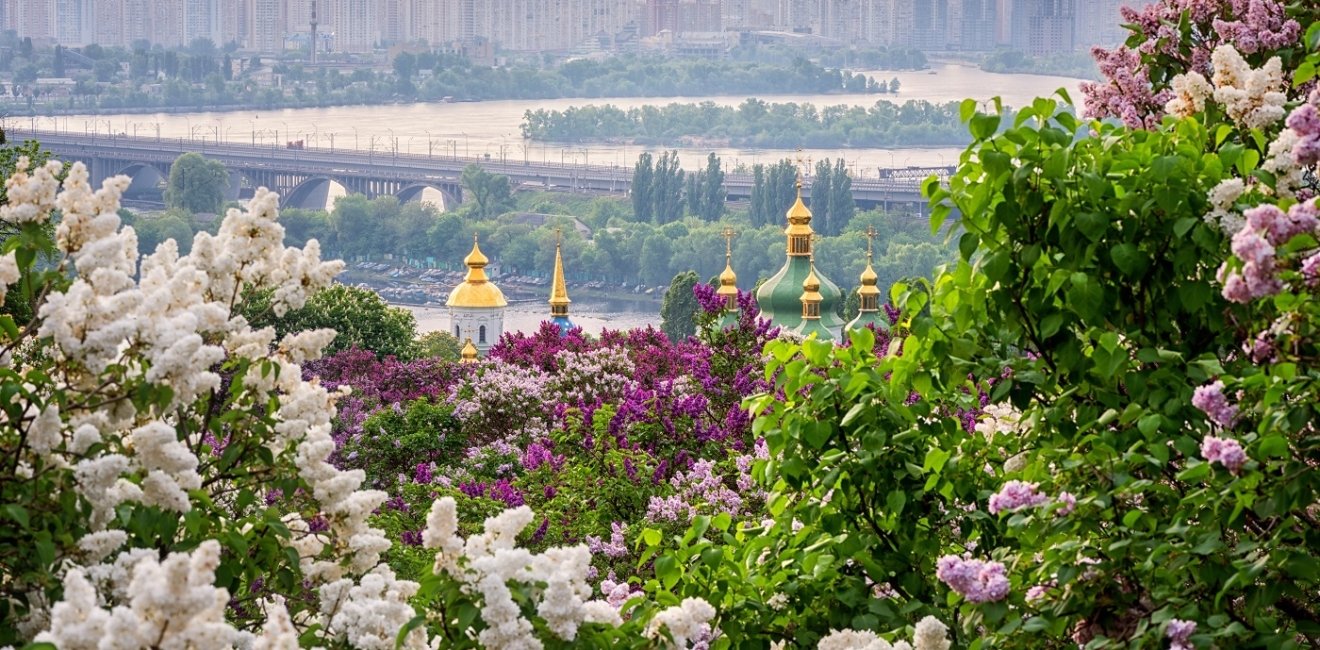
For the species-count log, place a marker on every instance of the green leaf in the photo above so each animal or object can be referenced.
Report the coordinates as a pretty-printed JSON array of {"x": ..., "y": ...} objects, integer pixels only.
[
  {"x": 651, "y": 536},
  {"x": 983, "y": 126},
  {"x": 1129, "y": 259},
  {"x": 18, "y": 513}
]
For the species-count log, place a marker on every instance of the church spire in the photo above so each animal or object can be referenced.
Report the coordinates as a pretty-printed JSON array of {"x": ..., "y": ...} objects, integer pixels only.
[
  {"x": 728, "y": 279},
  {"x": 868, "y": 295},
  {"x": 811, "y": 300},
  {"x": 799, "y": 230},
  {"x": 559, "y": 289}
]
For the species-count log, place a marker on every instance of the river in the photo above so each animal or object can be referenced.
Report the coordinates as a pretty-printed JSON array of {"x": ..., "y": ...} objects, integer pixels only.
[
  {"x": 591, "y": 315},
  {"x": 492, "y": 127}
]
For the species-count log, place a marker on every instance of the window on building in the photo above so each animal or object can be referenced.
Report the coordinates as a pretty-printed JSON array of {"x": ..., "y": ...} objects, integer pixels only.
[
  {"x": 456, "y": 333},
  {"x": 481, "y": 334}
]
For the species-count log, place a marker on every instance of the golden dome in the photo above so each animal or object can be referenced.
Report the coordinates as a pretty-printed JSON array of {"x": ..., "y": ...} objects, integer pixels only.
[
  {"x": 469, "y": 352},
  {"x": 476, "y": 259},
  {"x": 869, "y": 279},
  {"x": 811, "y": 286},
  {"x": 476, "y": 290},
  {"x": 799, "y": 217},
  {"x": 728, "y": 279}
]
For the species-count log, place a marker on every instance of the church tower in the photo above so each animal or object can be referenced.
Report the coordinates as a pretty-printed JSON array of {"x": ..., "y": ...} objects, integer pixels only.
[
  {"x": 811, "y": 300},
  {"x": 476, "y": 306},
  {"x": 728, "y": 290},
  {"x": 869, "y": 295},
  {"x": 559, "y": 292},
  {"x": 780, "y": 296}
]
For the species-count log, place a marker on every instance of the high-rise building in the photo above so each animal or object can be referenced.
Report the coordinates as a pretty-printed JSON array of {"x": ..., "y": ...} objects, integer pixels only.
[
  {"x": 354, "y": 24},
  {"x": 1042, "y": 27},
  {"x": 73, "y": 22},
  {"x": 35, "y": 19},
  {"x": 267, "y": 23},
  {"x": 922, "y": 24},
  {"x": 141, "y": 25},
  {"x": 108, "y": 22},
  {"x": 973, "y": 24},
  {"x": 1099, "y": 22}
]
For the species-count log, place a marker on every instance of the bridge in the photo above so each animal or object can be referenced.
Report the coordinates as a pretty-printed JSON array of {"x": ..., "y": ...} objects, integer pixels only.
[{"x": 303, "y": 176}]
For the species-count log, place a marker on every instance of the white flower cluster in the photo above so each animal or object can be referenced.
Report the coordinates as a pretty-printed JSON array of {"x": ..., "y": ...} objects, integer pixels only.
[
  {"x": 1223, "y": 200},
  {"x": 1254, "y": 98},
  {"x": 488, "y": 563},
  {"x": 170, "y": 604},
  {"x": 371, "y": 613},
  {"x": 169, "y": 323},
  {"x": 687, "y": 621},
  {"x": 929, "y": 635}
]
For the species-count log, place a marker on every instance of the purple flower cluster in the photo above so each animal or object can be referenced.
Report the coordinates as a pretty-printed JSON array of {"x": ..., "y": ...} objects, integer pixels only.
[
  {"x": 1014, "y": 496},
  {"x": 1126, "y": 92},
  {"x": 1225, "y": 451},
  {"x": 711, "y": 302},
  {"x": 975, "y": 580},
  {"x": 538, "y": 454},
  {"x": 1305, "y": 123},
  {"x": 617, "y": 547},
  {"x": 1179, "y": 633},
  {"x": 1211, "y": 400}
]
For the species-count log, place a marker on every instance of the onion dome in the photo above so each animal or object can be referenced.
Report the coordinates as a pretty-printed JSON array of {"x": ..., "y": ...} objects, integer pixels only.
[
  {"x": 559, "y": 293},
  {"x": 476, "y": 290},
  {"x": 811, "y": 300},
  {"x": 868, "y": 294},
  {"x": 728, "y": 279},
  {"x": 469, "y": 353}
]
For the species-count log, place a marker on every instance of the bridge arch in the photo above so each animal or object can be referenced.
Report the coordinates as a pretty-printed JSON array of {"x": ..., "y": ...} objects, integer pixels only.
[
  {"x": 442, "y": 197},
  {"x": 317, "y": 193},
  {"x": 147, "y": 182}
]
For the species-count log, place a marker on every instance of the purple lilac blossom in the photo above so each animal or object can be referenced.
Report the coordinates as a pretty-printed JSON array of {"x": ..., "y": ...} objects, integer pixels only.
[
  {"x": 1225, "y": 451},
  {"x": 975, "y": 580},
  {"x": 1210, "y": 399},
  {"x": 1179, "y": 633},
  {"x": 1014, "y": 496}
]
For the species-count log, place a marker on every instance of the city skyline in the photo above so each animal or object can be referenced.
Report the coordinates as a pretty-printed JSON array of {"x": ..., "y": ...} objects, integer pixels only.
[{"x": 269, "y": 27}]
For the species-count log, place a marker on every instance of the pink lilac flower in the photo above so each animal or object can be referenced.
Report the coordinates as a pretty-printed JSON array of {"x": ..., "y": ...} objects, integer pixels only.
[
  {"x": 1179, "y": 633},
  {"x": 1261, "y": 348},
  {"x": 1225, "y": 451},
  {"x": 1039, "y": 591},
  {"x": 975, "y": 580},
  {"x": 1311, "y": 269},
  {"x": 1211, "y": 400},
  {"x": 1067, "y": 504},
  {"x": 1014, "y": 496}
]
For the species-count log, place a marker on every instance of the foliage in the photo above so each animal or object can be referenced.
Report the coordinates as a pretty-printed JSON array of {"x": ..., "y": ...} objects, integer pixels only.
[
  {"x": 202, "y": 77},
  {"x": 657, "y": 188},
  {"x": 773, "y": 192},
  {"x": 490, "y": 192},
  {"x": 438, "y": 345},
  {"x": 832, "y": 205},
  {"x": 1076, "y": 64},
  {"x": 196, "y": 184},
  {"x": 678, "y": 312},
  {"x": 360, "y": 318},
  {"x": 754, "y": 123},
  {"x": 705, "y": 192}
]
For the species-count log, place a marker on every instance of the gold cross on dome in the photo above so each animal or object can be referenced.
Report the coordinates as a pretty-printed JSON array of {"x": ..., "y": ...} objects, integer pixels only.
[
  {"x": 803, "y": 164},
  {"x": 728, "y": 234},
  {"x": 870, "y": 238}
]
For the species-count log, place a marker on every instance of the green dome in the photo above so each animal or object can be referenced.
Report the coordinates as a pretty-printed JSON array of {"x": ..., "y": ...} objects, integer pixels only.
[
  {"x": 877, "y": 319},
  {"x": 780, "y": 297}
]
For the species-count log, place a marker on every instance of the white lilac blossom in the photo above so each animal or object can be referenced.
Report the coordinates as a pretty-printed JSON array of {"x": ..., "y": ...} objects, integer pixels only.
[
  {"x": 687, "y": 621},
  {"x": 1190, "y": 92},
  {"x": 171, "y": 604},
  {"x": 370, "y": 614},
  {"x": 1253, "y": 98},
  {"x": 167, "y": 320},
  {"x": 1223, "y": 198},
  {"x": 930, "y": 634},
  {"x": 9, "y": 272},
  {"x": 491, "y": 565}
]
